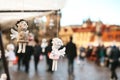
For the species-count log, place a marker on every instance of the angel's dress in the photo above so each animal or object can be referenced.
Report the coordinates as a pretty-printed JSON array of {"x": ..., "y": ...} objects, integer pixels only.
[
  {"x": 22, "y": 37},
  {"x": 55, "y": 58},
  {"x": 11, "y": 57}
]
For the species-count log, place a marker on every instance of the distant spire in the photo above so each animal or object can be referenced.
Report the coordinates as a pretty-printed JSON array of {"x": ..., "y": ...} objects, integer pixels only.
[{"x": 89, "y": 21}]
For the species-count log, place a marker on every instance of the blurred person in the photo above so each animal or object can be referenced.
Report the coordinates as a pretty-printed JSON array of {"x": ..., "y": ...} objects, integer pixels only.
[
  {"x": 48, "y": 50},
  {"x": 82, "y": 54},
  {"x": 37, "y": 53},
  {"x": 20, "y": 59},
  {"x": 93, "y": 56},
  {"x": 31, "y": 39},
  {"x": 27, "y": 56},
  {"x": 114, "y": 60},
  {"x": 101, "y": 55},
  {"x": 107, "y": 55},
  {"x": 89, "y": 51},
  {"x": 71, "y": 53}
]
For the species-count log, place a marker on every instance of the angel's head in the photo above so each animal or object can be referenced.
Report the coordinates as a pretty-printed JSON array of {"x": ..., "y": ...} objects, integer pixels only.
[
  {"x": 3, "y": 77},
  {"x": 10, "y": 47},
  {"x": 57, "y": 43},
  {"x": 22, "y": 25},
  {"x": 44, "y": 40}
]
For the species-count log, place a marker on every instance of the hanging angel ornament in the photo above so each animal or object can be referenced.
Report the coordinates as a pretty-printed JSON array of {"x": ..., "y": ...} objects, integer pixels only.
[
  {"x": 44, "y": 44},
  {"x": 3, "y": 76},
  {"x": 56, "y": 52},
  {"x": 10, "y": 54},
  {"x": 21, "y": 35}
]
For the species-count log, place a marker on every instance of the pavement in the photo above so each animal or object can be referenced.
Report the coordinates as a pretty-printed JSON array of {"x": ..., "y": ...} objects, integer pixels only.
[{"x": 85, "y": 70}]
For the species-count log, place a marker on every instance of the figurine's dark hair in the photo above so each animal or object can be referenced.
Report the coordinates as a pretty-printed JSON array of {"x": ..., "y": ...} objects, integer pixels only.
[{"x": 20, "y": 21}]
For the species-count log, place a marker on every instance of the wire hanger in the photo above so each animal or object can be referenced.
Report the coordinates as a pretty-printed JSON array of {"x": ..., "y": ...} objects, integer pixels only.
[{"x": 22, "y": 11}]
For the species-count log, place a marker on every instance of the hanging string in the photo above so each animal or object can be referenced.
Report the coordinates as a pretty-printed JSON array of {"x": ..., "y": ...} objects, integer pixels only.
[
  {"x": 22, "y": 11},
  {"x": 57, "y": 22},
  {"x": 58, "y": 15}
]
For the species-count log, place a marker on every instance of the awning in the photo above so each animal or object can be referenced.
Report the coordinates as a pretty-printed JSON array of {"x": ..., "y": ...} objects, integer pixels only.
[
  {"x": 7, "y": 19},
  {"x": 31, "y": 4}
]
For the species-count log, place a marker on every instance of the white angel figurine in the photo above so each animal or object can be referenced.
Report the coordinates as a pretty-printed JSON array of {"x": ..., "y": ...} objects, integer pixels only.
[
  {"x": 44, "y": 44},
  {"x": 10, "y": 54},
  {"x": 3, "y": 77},
  {"x": 21, "y": 35},
  {"x": 56, "y": 52}
]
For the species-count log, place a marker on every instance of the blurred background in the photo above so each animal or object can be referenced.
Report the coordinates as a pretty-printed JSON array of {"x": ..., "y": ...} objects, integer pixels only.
[{"x": 91, "y": 23}]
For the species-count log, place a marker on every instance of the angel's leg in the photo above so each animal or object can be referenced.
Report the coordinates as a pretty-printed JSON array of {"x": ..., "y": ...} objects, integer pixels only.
[
  {"x": 19, "y": 47},
  {"x": 24, "y": 47},
  {"x": 53, "y": 65}
]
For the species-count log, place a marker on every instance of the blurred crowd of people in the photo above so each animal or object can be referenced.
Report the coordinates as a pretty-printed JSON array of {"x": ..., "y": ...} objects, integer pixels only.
[{"x": 103, "y": 56}]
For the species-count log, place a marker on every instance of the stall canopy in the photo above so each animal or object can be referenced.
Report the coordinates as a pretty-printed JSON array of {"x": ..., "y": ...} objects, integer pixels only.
[{"x": 12, "y": 10}]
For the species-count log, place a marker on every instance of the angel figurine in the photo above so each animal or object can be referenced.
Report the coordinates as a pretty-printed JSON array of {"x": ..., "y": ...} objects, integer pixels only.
[
  {"x": 3, "y": 76},
  {"x": 21, "y": 35},
  {"x": 10, "y": 54},
  {"x": 44, "y": 44},
  {"x": 56, "y": 52}
]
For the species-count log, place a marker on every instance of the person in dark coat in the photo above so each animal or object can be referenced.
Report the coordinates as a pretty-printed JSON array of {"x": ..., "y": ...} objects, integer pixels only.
[
  {"x": 27, "y": 56},
  {"x": 89, "y": 51},
  {"x": 20, "y": 59},
  {"x": 101, "y": 51},
  {"x": 114, "y": 60},
  {"x": 37, "y": 53},
  {"x": 47, "y": 52},
  {"x": 71, "y": 53},
  {"x": 24, "y": 58}
]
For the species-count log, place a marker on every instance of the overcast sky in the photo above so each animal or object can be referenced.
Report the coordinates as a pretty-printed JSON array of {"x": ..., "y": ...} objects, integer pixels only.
[{"x": 75, "y": 11}]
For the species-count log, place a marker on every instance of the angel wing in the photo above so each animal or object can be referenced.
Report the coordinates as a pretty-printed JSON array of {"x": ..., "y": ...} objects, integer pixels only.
[
  {"x": 62, "y": 52},
  {"x": 14, "y": 34}
]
